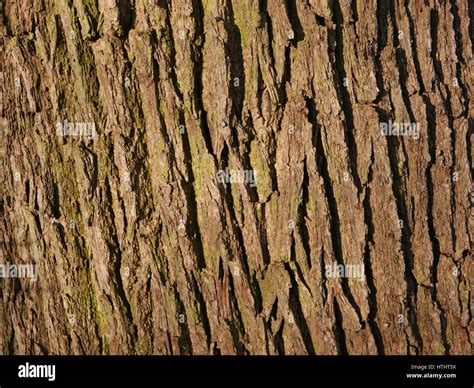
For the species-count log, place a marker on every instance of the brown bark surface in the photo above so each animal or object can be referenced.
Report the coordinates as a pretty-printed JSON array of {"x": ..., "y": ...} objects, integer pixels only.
[{"x": 141, "y": 250}]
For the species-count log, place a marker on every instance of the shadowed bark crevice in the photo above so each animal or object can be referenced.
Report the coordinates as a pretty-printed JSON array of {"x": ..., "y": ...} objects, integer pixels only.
[
  {"x": 198, "y": 62},
  {"x": 302, "y": 214},
  {"x": 236, "y": 326},
  {"x": 338, "y": 330},
  {"x": 292, "y": 13},
  {"x": 297, "y": 312},
  {"x": 322, "y": 166},
  {"x": 372, "y": 295},
  {"x": 184, "y": 339},
  {"x": 340, "y": 79},
  {"x": 411, "y": 283},
  {"x": 234, "y": 53}
]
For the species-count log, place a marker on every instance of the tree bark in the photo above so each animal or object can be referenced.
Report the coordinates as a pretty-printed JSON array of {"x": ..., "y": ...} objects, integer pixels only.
[{"x": 236, "y": 156}]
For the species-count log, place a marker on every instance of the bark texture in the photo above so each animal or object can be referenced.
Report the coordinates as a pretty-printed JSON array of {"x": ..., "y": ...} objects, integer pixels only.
[{"x": 140, "y": 248}]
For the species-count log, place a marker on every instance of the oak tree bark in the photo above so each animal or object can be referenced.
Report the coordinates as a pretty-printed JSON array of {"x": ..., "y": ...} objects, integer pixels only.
[{"x": 140, "y": 249}]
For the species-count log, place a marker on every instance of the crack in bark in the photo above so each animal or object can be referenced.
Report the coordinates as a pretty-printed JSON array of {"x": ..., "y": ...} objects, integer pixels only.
[
  {"x": 198, "y": 15},
  {"x": 184, "y": 340},
  {"x": 410, "y": 279},
  {"x": 233, "y": 50},
  {"x": 237, "y": 326},
  {"x": 292, "y": 13},
  {"x": 338, "y": 330},
  {"x": 323, "y": 171},
  {"x": 340, "y": 75},
  {"x": 372, "y": 294},
  {"x": 302, "y": 214},
  {"x": 113, "y": 248},
  {"x": 297, "y": 310}
]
